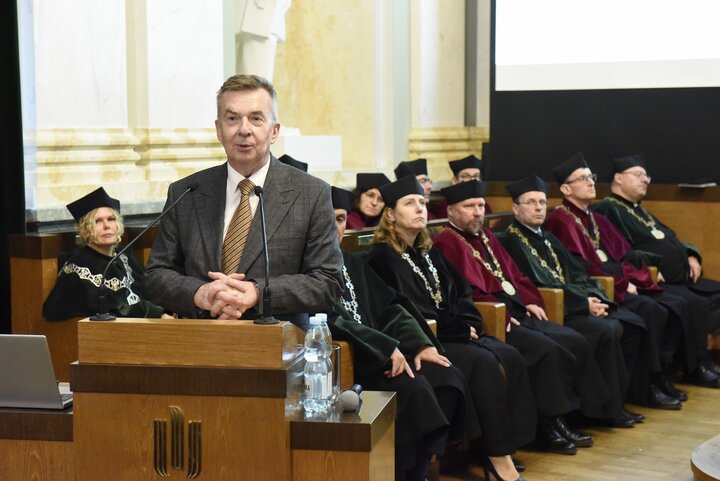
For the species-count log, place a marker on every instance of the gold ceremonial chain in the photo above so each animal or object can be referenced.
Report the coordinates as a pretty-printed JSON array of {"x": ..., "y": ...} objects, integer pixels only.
[
  {"x": 594, "y": 240},
  {"x": 352, "y": 305},
  {"x": 435, "y": 294},
  {"x": 497, "y": 270},
  {"x": 650, "y": 224},
  {"x": 557, "y": 273}
]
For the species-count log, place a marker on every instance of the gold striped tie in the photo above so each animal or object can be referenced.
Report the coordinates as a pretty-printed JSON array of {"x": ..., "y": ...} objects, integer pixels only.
[{"x": 238, "y": 229}]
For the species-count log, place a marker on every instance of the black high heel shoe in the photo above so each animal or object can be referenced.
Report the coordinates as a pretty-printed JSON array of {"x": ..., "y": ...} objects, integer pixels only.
[{"x": 489, "y": 468}]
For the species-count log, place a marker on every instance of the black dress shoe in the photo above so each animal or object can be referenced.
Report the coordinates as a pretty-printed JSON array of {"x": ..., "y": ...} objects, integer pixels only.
[
  {"x": 659, "y": 400},
  {"x": 622, "y": 421},
  {"x": 637, "y": 417},
  {"x": 519, "y": 466},
  {"x": 548, "y": 439},
  {"x": 712, "y": 365},
  {"x": 702, "y": 376},
  {"x": 668, "y": 388},
  {"x": 579, "y": 439}
]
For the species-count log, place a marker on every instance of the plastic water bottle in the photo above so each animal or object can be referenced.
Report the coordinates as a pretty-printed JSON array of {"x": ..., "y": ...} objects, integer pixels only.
[
  {"x": 315, "y": 372},
  {"x": 332, "y": 395}
]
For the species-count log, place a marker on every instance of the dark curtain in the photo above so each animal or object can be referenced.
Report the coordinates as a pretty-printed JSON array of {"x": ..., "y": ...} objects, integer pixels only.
[{"x": 12, "y": 190}]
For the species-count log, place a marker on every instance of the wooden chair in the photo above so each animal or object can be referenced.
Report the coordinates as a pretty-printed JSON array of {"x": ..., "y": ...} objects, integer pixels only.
[
  {"x": 493, "y": 314},
  {"x": 608, "y": 285}
]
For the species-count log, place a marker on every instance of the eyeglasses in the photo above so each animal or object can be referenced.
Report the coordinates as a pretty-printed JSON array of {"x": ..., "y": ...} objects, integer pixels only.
[
  {"x": 533, "y": 203},
  {"x": 424, "y": 180},
  {"x": 468, "y": 178},
  {"x": 640, "y": 175},
  {"x": 583, "y": 178}
]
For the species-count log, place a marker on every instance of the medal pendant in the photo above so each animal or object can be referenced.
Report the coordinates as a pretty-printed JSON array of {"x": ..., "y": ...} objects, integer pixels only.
[
  {"x": 508, "y": 288},
  {"x": 658, "y": 234},
  {"x": 601, "y": 254}
]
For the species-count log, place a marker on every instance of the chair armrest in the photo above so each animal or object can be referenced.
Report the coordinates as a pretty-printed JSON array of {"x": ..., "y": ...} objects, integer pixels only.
[
  {"x": 654, "y": 274},
  {"x": 493, "y": 314},
  {"x": 347, "y": 369},
  {"x": 432, "y": 324},
  {"x": 608, "y": 284},
  {"x": 554, "y": 300}
]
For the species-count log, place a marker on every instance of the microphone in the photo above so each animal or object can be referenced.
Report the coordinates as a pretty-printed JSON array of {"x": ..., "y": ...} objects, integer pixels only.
[
  {"x": 350, "y": 398},
  {"x": 104, "y": 315},
  {"x": 265, "y": 318}
]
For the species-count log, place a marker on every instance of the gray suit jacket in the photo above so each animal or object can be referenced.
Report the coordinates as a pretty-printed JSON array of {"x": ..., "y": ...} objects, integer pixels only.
[{"x": 305, "y": 258}]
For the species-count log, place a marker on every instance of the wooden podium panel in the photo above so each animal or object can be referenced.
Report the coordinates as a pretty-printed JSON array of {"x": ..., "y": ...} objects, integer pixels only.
[
  {"x": 241, "y": 437},
  {"x": 188, "y": 342},
  {"x": 184, "y": 398},
  {"x": 36, "y": 445},
  {"x": 347, "y": 446}
]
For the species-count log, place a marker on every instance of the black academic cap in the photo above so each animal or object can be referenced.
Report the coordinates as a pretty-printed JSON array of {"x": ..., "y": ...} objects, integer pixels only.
[
  {"x": 342, "y": 199},
  {"x": 286, "y": 159},
  {"x": 469, "y": 162},
  {"x": 563, "y": 171},
  {"x": 621, "y": 164},
  {"x": 96, "y": 198},
  {"x": 530, "y": 183},
  {"x": 408, "y": 185},
  {"x": 365, "y": 182},
  {"x": 463, "y": 191},
  {"x": 411, "y": 167}
]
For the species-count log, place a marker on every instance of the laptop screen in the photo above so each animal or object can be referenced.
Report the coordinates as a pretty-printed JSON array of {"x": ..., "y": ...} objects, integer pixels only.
[{"x": 27, "y": 377}]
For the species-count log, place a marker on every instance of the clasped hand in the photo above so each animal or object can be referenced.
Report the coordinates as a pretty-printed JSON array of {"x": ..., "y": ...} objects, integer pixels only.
[{"x": 226, "y": 297}]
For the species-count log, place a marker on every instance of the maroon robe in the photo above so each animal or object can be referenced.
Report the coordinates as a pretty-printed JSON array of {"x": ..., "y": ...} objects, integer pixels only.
[
  {"x": 563, "y": 225},
  {"x": 485, "y": 285},
  {"x": 358, "y": 220}
]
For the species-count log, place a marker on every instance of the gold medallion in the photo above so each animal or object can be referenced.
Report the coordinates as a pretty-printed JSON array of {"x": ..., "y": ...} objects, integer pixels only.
[
  {"x": 657, "y": 233},
  {"x": 601, "y": 254},
  {"x": 508, "y": 288}
]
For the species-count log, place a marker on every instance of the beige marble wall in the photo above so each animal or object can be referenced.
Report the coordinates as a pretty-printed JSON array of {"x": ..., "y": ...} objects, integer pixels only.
[{"x": 325, "y": 75}]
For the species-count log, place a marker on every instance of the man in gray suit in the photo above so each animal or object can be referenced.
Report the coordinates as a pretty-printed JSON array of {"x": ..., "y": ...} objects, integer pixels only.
[{"x": 193, "y": 270}]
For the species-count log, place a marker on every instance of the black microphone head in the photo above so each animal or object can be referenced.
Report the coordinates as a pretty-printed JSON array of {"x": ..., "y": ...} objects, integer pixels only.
[
  {"x": 192, "y": 186},
  {"x": 258, "y": 190}
]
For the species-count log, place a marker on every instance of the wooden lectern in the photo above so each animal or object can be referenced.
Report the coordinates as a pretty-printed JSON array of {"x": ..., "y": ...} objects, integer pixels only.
[{"x": 200, "y": 399}]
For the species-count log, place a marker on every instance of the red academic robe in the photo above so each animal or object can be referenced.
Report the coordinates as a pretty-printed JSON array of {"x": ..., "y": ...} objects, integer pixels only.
[
  {"x": 564, "y": 226},
  {"x": 485, "y": 285}
]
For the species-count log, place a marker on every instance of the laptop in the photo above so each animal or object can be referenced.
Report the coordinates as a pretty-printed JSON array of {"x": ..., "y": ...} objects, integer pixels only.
[{"x": 27, "y": 377}]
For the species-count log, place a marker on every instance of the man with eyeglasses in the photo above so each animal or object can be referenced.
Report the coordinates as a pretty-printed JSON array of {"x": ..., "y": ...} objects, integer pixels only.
[
  {"x": 615, "y": 334},
  {"x": 679, "y": 263},
  {"x": 600, "y": 247}
]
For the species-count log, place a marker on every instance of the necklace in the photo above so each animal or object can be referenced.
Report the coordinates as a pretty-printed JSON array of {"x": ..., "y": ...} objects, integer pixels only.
[
  {"x": 650, "y": 224},
  {"x": 594, "y": 240},
  {"x": 435, "y": 294},
  {"x": 557, "y": 273},
  {"x": 352, "y": 305},
  {"x": 494, "y": 269}
]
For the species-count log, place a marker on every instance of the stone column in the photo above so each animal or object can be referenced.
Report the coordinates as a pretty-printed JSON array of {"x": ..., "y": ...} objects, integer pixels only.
[{"x": 437, "y": 87}]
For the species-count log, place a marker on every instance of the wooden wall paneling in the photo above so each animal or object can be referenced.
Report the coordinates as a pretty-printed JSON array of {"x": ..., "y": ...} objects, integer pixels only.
[{"x": 22, "y": 460}]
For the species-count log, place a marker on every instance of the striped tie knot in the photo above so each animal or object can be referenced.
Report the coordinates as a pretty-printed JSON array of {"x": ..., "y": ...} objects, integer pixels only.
[{"x": 246, "y": 186}]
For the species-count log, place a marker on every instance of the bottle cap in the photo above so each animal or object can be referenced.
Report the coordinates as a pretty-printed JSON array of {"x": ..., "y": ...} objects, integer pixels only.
[{"x": 314, "y": 320}]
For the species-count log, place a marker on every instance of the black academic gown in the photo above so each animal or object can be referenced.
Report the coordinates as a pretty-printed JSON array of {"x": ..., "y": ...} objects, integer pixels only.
[
  {"x": 562, "y": 370},
  {"x": 670, "y": 254},
  {"x": 616, "y": 339},
  {"x": 503, "y": 403},
  {"x": 428, "y": 405},
  {"x": 77, "y": 288}
]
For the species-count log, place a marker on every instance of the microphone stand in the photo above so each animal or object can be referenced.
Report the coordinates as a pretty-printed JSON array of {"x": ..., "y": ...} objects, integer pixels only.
[
  {"x": 104, "y": 315},
  {"x": 266, "y": 318}
]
